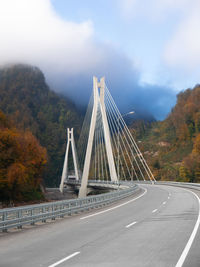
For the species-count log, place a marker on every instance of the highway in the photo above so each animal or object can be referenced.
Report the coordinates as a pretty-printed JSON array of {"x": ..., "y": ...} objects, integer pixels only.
[{"x": 157, "y": 227}]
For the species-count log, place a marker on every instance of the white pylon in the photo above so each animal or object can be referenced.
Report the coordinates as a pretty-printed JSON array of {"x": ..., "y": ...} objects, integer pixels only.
[
  {"x": 97, "y": 101},
  {"x": 109, "y": 152},
  {"x": 70, "y": 139}
]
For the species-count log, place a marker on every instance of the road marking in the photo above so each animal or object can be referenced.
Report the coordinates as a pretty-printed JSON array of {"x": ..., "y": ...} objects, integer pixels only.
[
  {"x": 65, "y": 259},
  {"x": 191, "y": 239},
  {"x": 164, "y": 202},
  {"x": 118, "y": 206},
  {"x": 168, "y": 197},
  {"x": 154, "y": 210},
  {"x": 129, "y": 225}
]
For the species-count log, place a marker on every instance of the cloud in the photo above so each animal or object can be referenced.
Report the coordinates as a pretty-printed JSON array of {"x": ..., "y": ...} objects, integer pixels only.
[
  {"x": 152, "y": 9},
  {"x": 31, "y": 31},
  {"x": 183, "y": 49},
  {"x": 67, "y": 52},
  {"x": 144, "y": 99},
  {"x": 157, "y": 99},
  {"x": 127, "y": 8},
  {"x": 174, "y": 27}
]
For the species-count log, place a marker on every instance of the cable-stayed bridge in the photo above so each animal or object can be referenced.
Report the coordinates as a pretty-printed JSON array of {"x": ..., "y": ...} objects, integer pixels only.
[
  {"x": 157, "y": 224},
  {"x": 106, "y": 147}
]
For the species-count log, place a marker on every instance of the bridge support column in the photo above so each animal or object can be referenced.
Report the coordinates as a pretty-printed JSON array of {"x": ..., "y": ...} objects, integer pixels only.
[
  {"x": 98, "y": 102},
  {"x": 109, "y": 152},
  {"x": 70, "y": 139},
  {"x": 84, "y": 181}
]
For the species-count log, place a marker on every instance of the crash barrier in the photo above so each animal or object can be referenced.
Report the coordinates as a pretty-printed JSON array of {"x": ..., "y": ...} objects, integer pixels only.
[{"x": 19, "y": 216}]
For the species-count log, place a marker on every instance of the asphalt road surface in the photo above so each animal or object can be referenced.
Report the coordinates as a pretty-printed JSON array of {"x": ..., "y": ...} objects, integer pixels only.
[{"x": 158, "y": 227}]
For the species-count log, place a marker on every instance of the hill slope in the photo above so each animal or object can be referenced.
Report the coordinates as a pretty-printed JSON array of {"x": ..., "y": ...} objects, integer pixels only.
[
  {"x": 26, "y": 97},
  {"x": 172, "y": 147}
]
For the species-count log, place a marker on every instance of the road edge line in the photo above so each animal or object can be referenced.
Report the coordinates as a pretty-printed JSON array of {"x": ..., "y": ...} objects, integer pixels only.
[
  {"x": 115, "y": 207},
  {"x": 192, "y": 236}
]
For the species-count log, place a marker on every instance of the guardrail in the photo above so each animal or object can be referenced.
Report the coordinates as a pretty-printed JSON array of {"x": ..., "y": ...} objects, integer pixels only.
[
  {"x": 180, "y": 184},
  {"x": 17, "y": 217},
  {"x": 93, "y": 181},
  {"x": 100, "y": 183}
]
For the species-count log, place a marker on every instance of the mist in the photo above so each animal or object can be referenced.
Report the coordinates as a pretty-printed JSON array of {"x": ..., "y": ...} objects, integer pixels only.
[{"x": 69, "y": 55}]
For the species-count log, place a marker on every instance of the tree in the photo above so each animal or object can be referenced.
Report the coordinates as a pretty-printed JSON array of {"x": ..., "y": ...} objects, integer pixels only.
[
  {"x": 196, "y": 146},
  {"x": 22, "y": 161},
  {"x": 183, "y": 174}
]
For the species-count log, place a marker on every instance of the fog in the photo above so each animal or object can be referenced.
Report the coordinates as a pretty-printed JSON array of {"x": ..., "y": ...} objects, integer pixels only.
[{"x": 69, "y": 55}]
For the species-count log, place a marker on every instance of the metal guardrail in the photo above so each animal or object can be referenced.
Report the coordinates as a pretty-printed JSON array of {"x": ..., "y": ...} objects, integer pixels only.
[
  {"x": 100, "y": 183},
  {"x": 92, "y": 181},
  {"x": 17, "y": 217},
  {"x": 180, "y": 184}
]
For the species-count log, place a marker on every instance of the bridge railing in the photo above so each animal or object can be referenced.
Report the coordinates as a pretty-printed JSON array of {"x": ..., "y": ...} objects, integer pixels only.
[
  {"x": 70, "y": 181},
  {"x": 17, "y": 217},
  {"x": 98, "y": 183}
]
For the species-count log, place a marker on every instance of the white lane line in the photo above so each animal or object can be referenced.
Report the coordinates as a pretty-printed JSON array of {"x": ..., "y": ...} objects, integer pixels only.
[
  {"x": 64, "y": 259},
  {"x": 154, "y": 210},
  {"x": 118, "y": 206},
  {"x": 192, "y": 237},
  {"x": 129, "y": 225},
  {"x": 164, "y": 202},
  {"x": 168, "y": 197}
]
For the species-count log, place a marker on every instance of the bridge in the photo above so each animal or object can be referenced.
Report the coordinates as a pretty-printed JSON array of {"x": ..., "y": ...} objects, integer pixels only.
[
  {"x": 107, "y": 150},
  {"x": 141, "y": 222}
]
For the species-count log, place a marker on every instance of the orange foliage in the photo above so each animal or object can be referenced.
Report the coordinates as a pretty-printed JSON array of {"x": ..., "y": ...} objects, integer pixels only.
[
  {"x": 16, "y": 173},
  {"x": 22, "y": 160}
]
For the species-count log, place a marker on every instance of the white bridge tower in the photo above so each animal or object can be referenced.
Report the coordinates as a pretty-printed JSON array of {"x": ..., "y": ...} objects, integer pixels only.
[
  {"x": 70, "y": 139},
  {"x": 98, "y": 102}
]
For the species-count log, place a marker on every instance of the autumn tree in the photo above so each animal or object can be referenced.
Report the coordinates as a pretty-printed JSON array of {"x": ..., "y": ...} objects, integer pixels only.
[{"x": 22, "y": 160}]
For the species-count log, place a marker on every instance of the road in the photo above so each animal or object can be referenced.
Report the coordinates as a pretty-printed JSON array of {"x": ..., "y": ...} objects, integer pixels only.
[{"x": 150, "y": 229}]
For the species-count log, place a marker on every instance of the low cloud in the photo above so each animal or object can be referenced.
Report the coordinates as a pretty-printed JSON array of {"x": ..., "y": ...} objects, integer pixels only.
[
  {"x": 67, "y": 52},
  {"x": 31, "y": 31}
]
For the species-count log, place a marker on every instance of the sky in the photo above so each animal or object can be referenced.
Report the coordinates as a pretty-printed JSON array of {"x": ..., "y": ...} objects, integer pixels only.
[{"x": 148, "y": 50}]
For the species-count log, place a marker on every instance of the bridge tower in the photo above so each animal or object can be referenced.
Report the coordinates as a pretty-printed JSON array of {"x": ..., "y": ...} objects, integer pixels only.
[
  {"x": 70, "y": 140},
  {"x": 98, "y": 102}
]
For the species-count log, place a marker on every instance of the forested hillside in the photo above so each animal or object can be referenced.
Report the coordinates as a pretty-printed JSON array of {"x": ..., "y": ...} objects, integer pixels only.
[
  {"x": 172, "y": 146},
  {"x": 22, "y": 161},
  {"x": 26, "y": 97}
]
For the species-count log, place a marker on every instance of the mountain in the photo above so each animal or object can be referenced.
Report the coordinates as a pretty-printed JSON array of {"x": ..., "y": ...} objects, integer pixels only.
[
  {"x": 26, "y": 97},
  {"x": 172, "y": 146}
]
